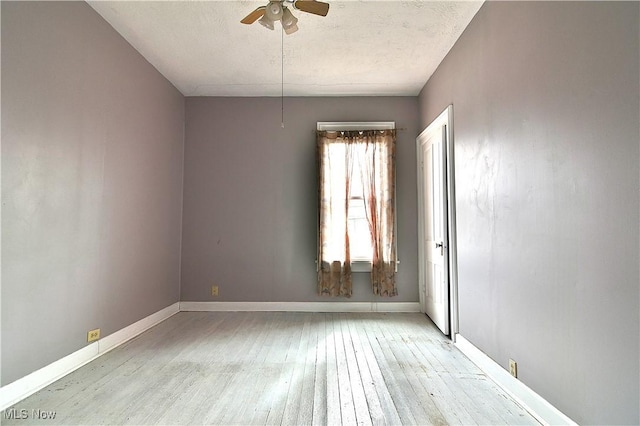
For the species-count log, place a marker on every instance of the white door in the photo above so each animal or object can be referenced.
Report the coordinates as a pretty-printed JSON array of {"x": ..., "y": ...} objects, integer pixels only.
[{"x": 433, "y": 232}]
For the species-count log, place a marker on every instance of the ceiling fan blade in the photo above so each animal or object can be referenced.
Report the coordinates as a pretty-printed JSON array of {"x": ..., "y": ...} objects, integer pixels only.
[
  {"x": 312, "y": 6},
  {"x": 253, "y": 16}
]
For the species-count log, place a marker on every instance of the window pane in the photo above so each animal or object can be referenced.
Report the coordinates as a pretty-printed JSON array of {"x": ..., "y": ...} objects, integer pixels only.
[
  {"x": 334, "y": 165},
  {"x": 359, "y": 234},
  {"x": 360, "y": 240}
]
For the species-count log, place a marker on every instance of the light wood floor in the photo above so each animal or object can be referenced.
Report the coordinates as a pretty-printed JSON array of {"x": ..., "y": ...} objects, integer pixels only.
[{"x": 280, "y": 368}]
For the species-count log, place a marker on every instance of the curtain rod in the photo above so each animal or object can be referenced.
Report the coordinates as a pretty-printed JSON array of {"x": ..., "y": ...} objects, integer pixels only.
[{"x": 397, "y": 129}]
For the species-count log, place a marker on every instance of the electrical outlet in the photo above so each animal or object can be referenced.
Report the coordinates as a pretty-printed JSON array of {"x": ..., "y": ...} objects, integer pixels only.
[
  {"x": 93, "y": 335},
  {"x": 214, "y": 290},
  {"x": 513, "y": 368}
]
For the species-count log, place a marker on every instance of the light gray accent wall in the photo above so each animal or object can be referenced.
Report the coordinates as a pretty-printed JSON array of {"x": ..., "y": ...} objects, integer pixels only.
[
  {"x": 546, "y": 120},
  {"x": 250, "y": 198},
  {"x": 92, "y": 155}
]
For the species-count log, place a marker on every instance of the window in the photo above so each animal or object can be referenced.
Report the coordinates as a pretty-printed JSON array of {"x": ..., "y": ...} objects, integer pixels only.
[
  {"x": 357, "y": 203},
  {"x": 360, "y": 246}
]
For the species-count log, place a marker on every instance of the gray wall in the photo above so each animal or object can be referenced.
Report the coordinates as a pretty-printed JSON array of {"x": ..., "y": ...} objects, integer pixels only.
[
  {"x": 546, "y": 112},
  {"x": 92, "y": 154},
  {"x": 250, "y": 196}
]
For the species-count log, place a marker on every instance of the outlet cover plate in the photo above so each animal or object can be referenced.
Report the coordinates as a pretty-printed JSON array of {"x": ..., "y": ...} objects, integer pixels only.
[
  {"x": 513, "y": 368},
  {"x": 93, "y": 335}
]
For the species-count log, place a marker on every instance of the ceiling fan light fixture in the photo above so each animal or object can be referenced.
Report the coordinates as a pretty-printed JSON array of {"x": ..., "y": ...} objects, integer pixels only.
[
  {"x": 289, "y": 22},
  {"x": 266, "y": 22},
  {"x": 273, "y": 11},
  {"x": 291, "y": 29}
]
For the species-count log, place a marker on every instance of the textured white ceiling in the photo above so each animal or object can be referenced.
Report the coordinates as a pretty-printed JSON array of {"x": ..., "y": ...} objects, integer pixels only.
[{"x": 360, "y": 48}]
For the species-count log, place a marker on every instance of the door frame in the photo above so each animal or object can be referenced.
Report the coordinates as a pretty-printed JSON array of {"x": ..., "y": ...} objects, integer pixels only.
[{"x": 446, "y": 119}]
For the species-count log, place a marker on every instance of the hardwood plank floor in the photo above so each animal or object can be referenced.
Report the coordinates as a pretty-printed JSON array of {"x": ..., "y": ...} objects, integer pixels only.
[{"x": 279, "y": 368}]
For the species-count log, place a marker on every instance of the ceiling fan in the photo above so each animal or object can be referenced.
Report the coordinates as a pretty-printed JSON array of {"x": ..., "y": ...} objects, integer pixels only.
[{"x": 276, "y": 10}]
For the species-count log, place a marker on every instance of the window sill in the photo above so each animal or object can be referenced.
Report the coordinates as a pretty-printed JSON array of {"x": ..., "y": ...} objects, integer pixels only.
[
  {"x": 360, "y": 266},
  {"x": 363, "y": 265}
]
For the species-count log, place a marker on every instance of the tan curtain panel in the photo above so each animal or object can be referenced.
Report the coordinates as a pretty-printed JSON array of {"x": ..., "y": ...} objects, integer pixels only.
[
  {"x": 335, "y": 169},
  {"x": 378, "y": 177},
  {"x": 374, "y": 151}
]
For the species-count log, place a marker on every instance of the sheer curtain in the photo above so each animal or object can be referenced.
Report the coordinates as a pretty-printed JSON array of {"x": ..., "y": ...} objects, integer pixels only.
[
  {"x": 374, "y": 151},
  {"x": 378, "y": 178},
  {"x": 335, "y": 174}
]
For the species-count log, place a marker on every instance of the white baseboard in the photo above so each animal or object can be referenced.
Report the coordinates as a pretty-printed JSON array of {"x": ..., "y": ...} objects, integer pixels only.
[
  {"x": 121, "y": 336},
  {"x": 301, "y": 306},
  {"x": 22, "y": 388},
  {"x": 536, "y": 405}
]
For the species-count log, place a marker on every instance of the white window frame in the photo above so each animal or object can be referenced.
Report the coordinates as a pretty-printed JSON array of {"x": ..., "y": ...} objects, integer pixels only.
[{"x": 337, "y": 126}]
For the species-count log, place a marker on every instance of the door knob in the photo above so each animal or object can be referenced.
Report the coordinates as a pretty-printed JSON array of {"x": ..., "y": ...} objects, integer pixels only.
[{"x": 441, "y": 246}]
